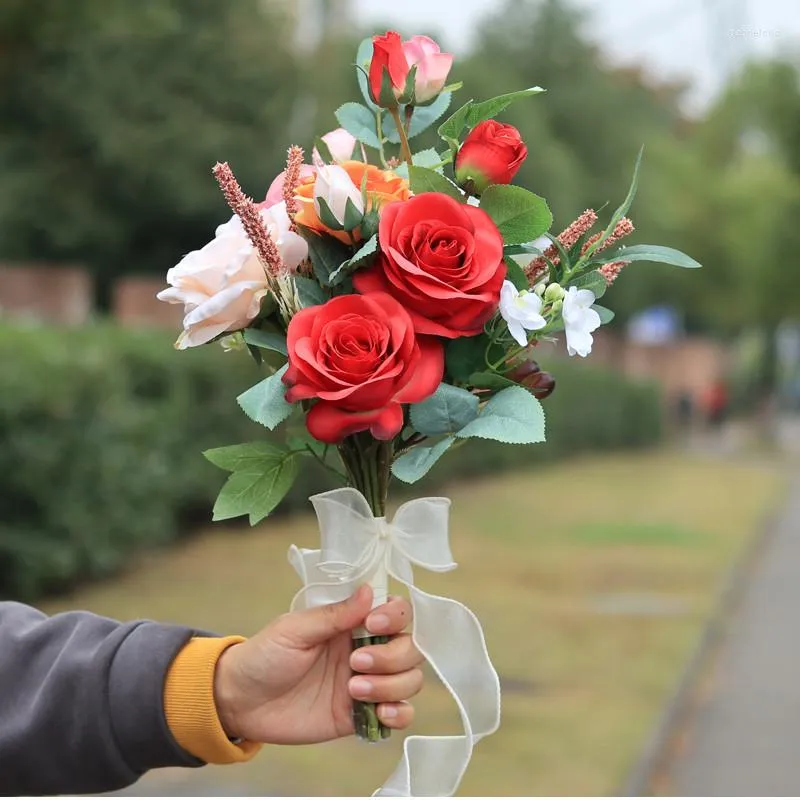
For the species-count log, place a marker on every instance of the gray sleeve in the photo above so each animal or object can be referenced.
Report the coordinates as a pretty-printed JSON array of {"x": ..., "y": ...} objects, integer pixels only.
[{"x": 81, "y": 701}]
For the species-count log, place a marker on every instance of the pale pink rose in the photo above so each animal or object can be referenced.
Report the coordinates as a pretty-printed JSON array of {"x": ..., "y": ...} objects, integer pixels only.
[
  {"x": 433, "y": 66},
  {"x": 221, "y": 286},
  {"x": 275, "y": 191},
  {"x": 340, "y": 144}
]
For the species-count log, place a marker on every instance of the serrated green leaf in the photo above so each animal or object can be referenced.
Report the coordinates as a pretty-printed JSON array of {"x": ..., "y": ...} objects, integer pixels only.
[
  {"x": 265, "y": 402},
  {"x": 450, "y": 130},
  {"x": 516, "y": 275},
  {"x": 489, "y": 109},
  {"x": 428, "y": 158},
  {"x": 309, "y": 292},
  {"x": 256, "y": 489},
  {"x": 424, "y": 180},
  {"x": 236, "y": 457},
  {"x": 423, "y": 118},
  {"x": 267, "y": 340},
  {"x": 359, "y": 121},
  {"x": 520, "y": 215},
  {"x": 447, "y": 410},
  {"x": 361, "y": 259},
  {"x": 605, "y": 314},
  {"x": 513, "y": 416},
  {"x": 327, "y": 255},
  {"x": 415, "y": 464},
  {"x": 650, "y": 252},
  {"x": 593, "y": 281}
]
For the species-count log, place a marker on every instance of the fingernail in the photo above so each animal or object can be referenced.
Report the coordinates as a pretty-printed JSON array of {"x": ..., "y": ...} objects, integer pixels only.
[
  {"x": 362, "y": 660},
  {"x": 378, "y": 622},
  {"x": 360, "y": 687},
  {"x": 388, "y": 712}
]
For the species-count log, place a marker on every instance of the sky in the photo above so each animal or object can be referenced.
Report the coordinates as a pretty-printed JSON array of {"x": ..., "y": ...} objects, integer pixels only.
[{"x": 699, "y": 40}]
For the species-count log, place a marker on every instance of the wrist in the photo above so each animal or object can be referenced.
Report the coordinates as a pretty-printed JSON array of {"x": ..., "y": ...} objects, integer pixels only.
[{"x": 225, "y": 693}]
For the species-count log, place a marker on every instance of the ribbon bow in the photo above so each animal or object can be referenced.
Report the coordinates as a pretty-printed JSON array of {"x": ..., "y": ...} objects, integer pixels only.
[{"x": 357, "y": 547}]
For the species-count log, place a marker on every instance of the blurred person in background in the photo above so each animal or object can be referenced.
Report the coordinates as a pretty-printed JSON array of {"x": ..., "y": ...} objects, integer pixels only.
[{"x": 89, "y": 704}]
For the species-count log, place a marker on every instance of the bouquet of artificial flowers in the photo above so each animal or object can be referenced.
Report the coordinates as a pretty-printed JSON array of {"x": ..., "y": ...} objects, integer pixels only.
[{"x": 395, "y": 298}]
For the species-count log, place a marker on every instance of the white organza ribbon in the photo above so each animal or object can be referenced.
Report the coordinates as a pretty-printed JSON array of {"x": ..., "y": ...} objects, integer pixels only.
[{"x": 356, "y": 548}]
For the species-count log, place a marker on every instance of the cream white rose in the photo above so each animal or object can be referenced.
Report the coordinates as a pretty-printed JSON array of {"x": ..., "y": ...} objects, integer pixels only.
[{"x": 221, "y": 286}]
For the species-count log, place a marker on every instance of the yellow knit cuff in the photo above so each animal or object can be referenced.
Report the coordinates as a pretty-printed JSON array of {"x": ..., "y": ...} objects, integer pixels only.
[{"x": 189, "y": 704}]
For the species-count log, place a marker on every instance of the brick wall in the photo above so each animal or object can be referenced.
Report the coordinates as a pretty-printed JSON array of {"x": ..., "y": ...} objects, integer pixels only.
[
  {"x": 61, "y": 295},
  {"x": 134, "y": 304}
]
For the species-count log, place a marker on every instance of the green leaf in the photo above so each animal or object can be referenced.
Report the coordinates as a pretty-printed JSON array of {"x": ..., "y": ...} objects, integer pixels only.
[
  {"x": 520, "y": 215},
  {"x": 466, "y": 355},
  {"x": 309, "y": 292},
  {"x": 450, "y": 130},
  {"x": 428, "y": 158},
  {"x": 593, "y": 281},
  {"x": 257, "y": 485},
  {"x": 522, "y": 249},
  {"x": 513, "y": 416},
  {"x": 448, "y": 410},
  {"x": 237, "y": 457},
  {"x": 650, "y": 252},
  {"x": 265, "y": 402},
  {"x": 327, "y": 255},
  {"x": 363, "y": 59},
  {"x": 424, "y": 180},
  {"x": 489, "y": 109},
  {"x": 606, "y": 314},
  {"x": 490, "y": 380},
  {"x": 326, "y": 215},
  {"x": 424, "y": 117},
  {"x": 415, "y": 464},
  {"x": 362, "y": 258},
  {"x": 267, "y": 340},
  {"x": 359, "y": 121},
  {"x": 352, "y": 215},
  {"x": 516, "y": 275},
  {"x": 619, "y": 213}
]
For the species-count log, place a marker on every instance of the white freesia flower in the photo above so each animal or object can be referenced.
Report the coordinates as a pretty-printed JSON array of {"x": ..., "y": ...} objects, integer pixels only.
[
  {"x": 580, "y": 319},
  {"x": 221, "y": 286},
  {"x": 335, "y": 187},
  {"x": 522, "y": 311}
]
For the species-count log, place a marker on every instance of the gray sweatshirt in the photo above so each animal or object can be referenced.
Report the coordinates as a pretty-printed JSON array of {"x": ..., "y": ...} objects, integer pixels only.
[{"x": 81, "y": 701}]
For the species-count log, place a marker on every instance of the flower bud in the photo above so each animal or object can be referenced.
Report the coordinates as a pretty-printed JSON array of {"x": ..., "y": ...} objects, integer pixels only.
[
  {"x": 553, "y": 292},
  {"x": 337, "y": 201},
  {"x": 491, "y": 153},
  {"x": 529, "y": 375}
]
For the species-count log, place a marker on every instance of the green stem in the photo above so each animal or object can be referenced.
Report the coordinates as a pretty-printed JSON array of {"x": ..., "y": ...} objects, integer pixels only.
[
  {"x": 405, "y": 150},
  {"x": 409, "y": 114},
  {"x": 379, "y": 130},
  {"x": 324, "y": 463}
]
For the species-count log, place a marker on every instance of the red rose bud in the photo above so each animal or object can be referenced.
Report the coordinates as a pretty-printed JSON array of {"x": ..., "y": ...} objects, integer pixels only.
[
  {"x": 388, "y": 70},
  {"x": 529, "y": 374},
  {"x": 491, "y": 153}
]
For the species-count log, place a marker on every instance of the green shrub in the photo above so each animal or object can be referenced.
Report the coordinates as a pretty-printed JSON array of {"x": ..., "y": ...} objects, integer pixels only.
[{"x": 101, "y": 433}]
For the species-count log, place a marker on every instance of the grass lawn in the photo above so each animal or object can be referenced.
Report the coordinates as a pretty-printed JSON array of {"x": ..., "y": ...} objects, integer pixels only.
[{"x": 592, "y": 581}]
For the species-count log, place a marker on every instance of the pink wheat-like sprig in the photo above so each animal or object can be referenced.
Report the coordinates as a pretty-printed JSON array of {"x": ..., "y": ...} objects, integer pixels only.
[
  {"x": 291, "y": 180},
  {"x": 567, "y": 238},
  {"x": 623, "y": 228},
  {"x": 612, "y": 270},
  {"x": 248, "y": 213}
]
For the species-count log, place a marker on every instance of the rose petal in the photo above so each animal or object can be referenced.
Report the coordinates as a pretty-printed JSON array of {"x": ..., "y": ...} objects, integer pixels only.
[
  {"x": 428, "y": 373},
  {"x": 328, "y": 423}
]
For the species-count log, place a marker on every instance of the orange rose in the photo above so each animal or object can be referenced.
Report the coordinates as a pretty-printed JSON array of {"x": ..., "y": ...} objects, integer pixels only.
[{"x": 382, "y": 188}]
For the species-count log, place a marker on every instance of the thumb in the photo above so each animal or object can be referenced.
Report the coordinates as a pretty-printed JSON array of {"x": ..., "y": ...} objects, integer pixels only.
[{"x": 314, "y": 626}]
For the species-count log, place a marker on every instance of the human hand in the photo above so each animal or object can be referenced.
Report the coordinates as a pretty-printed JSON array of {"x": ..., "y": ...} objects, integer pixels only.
[{"x": 292, "y": 683}]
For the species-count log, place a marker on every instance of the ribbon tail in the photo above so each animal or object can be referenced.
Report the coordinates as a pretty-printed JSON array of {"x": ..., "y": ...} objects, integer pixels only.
[{"x": 450, "y": 637}]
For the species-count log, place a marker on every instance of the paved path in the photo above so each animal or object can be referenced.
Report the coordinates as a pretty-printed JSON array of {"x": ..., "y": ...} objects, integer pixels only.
[{"x": 743, "y": 737}]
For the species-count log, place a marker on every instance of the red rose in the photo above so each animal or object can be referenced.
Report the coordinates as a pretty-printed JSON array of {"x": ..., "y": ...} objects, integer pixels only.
[
  {"x": 491, "y": 153},
  {"x": 387, "y": 54},
  {"x": 359, "y": 357},
  {"x": 443, "y": 260}
]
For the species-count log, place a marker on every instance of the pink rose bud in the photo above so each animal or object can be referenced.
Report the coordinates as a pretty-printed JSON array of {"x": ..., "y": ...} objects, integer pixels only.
[
  {"x": 432, "y": 65},
  {"x": 340, "y": 144}
]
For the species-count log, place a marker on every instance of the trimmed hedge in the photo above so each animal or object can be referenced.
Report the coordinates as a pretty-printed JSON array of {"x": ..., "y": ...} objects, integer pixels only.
[{"x": 101, "y": 433}]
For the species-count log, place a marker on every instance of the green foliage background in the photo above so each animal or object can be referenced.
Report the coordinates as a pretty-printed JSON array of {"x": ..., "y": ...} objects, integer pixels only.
[{"x": 102, "y": 429}]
